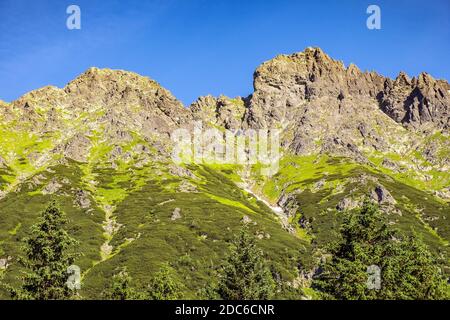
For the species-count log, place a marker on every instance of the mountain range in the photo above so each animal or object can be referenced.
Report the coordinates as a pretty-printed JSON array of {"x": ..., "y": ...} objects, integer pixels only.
[{"x": 102, "y": 147}]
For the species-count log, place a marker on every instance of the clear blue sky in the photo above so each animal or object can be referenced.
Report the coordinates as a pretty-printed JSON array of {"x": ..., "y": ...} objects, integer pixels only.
[{"x": 199, "y": 47}]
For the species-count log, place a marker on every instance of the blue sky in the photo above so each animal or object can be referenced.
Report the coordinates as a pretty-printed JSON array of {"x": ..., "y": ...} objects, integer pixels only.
[{"x": 199, "y": 47}]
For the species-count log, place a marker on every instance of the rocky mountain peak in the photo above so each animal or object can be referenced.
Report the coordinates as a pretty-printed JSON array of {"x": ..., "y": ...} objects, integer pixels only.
[
  {"x": 402, "y": 79},
  {"x": 109, "y": 81},
  {"x": 424, "y": 79},
  {"x": 118, "y": 87},
  {"x": 353, "y": 70},
  {"x": 285, "y": 83},
  {"x": 118, "y": 94},
  {"x": 110, "y": 105}
]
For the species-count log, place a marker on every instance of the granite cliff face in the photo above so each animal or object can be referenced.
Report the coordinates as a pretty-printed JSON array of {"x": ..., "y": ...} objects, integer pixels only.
[{"x": 102, "y": 144}]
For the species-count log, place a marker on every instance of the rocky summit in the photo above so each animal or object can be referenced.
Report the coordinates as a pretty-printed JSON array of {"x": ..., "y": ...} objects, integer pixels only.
[{"x": 102, "y": 147}]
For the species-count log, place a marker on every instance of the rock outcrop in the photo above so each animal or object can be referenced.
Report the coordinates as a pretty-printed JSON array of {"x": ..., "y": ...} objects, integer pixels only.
[
  {"x": 382, "y": 196},
  {"x": 222, "y": 111},
  {"x": 417, "y": 102},
  {"x": 176, "y": 214}
]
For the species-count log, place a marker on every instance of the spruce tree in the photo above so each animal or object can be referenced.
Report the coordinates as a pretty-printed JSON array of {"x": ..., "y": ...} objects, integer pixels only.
[
  {"x": 48, "y": 253},
  {"x": 407, "y": 269},
  {"x": 245, "y": 275},
  {"x": 165, "y": 285},
  {"x": 413, "y": 273}
]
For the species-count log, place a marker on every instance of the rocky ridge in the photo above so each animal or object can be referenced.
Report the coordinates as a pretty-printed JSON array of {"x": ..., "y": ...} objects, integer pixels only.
[{"x": 322, "y": 107}]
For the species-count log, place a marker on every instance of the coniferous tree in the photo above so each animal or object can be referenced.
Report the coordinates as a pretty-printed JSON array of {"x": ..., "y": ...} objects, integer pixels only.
[
  {"x": 165, "y": 285},
  {"x": 245, "y": 275},
  {"x": 48, "y": 253},
  {"x": 407, "y": 269},
  {"x": 121, "y": 288},
  {"x": 413, "y": 273}
]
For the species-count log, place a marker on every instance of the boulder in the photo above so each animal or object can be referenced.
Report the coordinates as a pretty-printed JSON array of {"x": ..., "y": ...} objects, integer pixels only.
[
  {"x": 176, "y": 214},
  {"x": 382, "y": 196}
]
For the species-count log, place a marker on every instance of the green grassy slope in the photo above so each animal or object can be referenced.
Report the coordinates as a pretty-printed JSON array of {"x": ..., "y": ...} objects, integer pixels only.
[
  {"x": 147, "y": 238},
  {"x": 321, "y": 183}
]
